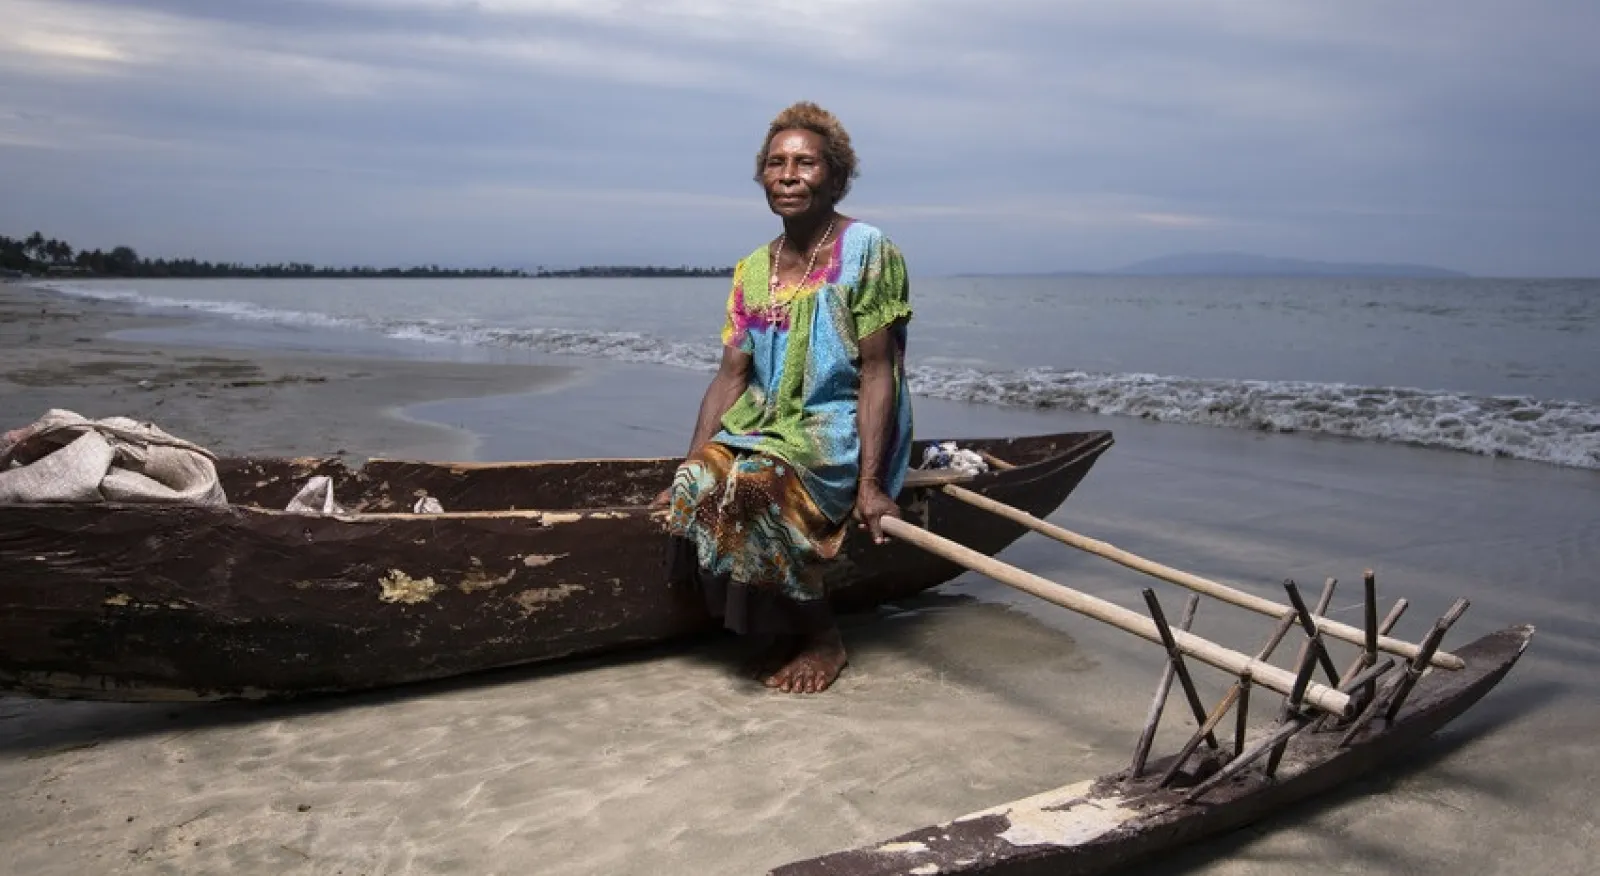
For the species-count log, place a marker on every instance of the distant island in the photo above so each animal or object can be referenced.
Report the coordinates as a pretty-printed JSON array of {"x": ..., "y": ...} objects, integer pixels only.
[
  {"x": 37, "y": 255},
  {"x": 1233, "y": 264}
]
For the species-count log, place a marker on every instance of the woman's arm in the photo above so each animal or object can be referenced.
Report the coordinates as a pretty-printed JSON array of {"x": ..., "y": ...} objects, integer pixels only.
[
  {"x": 874, "y": 413},
  {"x": 732, "y": 377}
]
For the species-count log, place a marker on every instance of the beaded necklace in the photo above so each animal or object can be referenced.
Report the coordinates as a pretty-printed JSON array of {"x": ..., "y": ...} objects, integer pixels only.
[{"x": 811, "y": 264}]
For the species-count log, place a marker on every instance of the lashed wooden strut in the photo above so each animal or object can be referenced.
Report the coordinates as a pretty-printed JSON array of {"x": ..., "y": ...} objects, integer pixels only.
[{"x": 1169, "y": 672}]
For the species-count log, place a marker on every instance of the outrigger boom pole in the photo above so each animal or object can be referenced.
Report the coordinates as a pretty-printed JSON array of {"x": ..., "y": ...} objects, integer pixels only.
[
  {"x": 1265, "y": 674},
  {"x": 1329, "y": 627}
]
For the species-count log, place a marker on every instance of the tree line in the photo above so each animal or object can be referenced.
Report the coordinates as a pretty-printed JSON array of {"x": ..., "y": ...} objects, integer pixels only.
[
  {"x": 632, "y": 271},
  {"x": 37, "y": 254}
]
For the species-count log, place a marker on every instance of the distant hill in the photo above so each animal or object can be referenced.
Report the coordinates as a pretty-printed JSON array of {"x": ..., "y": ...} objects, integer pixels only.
[{"x": 1233, "y": 264}]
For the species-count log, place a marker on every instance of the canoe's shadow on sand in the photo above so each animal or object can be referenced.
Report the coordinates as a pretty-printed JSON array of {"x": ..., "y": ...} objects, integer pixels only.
[{"x": 37, "y": 728}]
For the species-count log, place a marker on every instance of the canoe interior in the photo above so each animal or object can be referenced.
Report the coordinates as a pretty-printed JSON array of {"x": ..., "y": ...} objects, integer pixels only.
[{"x": 390, "y": 486}]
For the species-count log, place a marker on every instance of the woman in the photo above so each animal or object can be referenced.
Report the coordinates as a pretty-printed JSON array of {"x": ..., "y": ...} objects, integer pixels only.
[{"x": 807, "y": 422}]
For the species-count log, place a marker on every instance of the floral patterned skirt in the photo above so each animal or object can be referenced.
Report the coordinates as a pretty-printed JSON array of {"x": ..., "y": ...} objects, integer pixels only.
[{"x": 749, "y": 535}]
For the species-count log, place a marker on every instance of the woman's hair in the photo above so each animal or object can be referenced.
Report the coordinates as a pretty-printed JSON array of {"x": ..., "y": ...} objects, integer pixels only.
[{"x": 836, "y": 149}]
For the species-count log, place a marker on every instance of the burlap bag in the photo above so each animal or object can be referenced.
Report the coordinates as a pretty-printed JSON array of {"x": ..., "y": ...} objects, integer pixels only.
[{"x": 65, "y": 457}]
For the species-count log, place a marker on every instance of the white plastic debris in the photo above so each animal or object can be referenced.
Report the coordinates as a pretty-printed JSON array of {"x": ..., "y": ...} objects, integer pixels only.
[
  {"x": 316, "y": 497},
  {"x": 947, "y": 455},
  {"x": 427, "y": 505}
]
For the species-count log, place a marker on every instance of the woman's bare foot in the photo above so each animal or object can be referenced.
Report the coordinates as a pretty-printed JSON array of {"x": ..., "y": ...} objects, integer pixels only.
[
  {"x": 820, "y": 660},
  {"x": 770, "y": 656}
]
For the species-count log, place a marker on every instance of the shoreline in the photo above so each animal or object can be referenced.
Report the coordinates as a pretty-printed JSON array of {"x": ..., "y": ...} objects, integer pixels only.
[
  {"x": 61, "y": 353},
  {"x": 1502, "y": 421}
]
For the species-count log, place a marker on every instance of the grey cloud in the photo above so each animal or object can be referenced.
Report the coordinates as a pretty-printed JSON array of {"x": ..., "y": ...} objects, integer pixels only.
[{"x": 1003, "y": 135}]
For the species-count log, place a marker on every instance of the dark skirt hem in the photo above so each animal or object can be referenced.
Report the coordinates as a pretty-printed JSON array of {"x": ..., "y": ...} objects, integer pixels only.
[{"x": 745, "y": 609}]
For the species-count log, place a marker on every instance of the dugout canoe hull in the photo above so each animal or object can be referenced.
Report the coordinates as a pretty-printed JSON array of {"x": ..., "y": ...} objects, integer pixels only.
[
  {"x": 1103, "y": 825},
  {"x": 532, "y": 562}
]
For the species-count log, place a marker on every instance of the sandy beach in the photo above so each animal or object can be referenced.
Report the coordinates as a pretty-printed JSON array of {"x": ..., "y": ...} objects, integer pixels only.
[
  {"x": 55, "y": 353},
  {"x": 971, "y": 696}
]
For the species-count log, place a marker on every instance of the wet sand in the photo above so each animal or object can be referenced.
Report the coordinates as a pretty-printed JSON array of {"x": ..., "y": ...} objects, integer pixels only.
[
  {"x": 54, "y": 353},
  {"x": 666, "y": 762}
]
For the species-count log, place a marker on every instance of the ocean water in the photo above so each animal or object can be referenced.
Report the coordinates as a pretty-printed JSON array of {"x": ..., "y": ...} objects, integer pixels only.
[{"x": 1490, "y": 366}]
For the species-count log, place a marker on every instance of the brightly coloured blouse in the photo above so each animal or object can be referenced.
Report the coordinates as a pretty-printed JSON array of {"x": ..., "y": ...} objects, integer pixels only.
[{"x": 805, "y": 377}]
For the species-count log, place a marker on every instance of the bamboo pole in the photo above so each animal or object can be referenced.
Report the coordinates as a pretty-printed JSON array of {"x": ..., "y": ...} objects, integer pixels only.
[
  {"x": 995, "y": 462},
  {"x": 1343, "y": 632},
  {"x": 1367, "y": 676},
  {"x": 1278, "y": 737},
  {"x": 1239, "y": 692},
  {"x": 1176, "y": 658},
  {"x": 1292, "y": 706},
  {"x": 1147, "y": 736},
  {"x": 1313, "y": 638},
  {"x": 1420, "y": 665},
  {"x": 1368, "y": 712},
  {"x": 1369, "y": 651},
  {"x": 1225, "y": 659},
  {"x": 1391, "y": 698},
  {"x": 1387, "y": 624},
  {"x": 1275, "y": 742},
  {"x": 1206, "y": 730},
  {"x": 1370, "y": 692},
  {"x": 1241, "y": 718}
]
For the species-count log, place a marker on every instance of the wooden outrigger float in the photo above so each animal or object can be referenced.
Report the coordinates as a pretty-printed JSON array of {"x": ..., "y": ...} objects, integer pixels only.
[{"x": 1393, "y": 695}]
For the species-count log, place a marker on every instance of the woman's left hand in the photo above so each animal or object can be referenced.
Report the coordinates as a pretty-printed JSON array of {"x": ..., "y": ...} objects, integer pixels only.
[{"x": 872, "y": 505}]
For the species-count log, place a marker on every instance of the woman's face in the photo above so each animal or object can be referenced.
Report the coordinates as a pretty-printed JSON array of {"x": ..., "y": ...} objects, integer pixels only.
[{"x": 795, "y": 175}]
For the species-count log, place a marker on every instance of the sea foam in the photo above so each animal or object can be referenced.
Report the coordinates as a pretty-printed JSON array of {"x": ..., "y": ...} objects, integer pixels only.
[{"x": 1520, "y": 427}]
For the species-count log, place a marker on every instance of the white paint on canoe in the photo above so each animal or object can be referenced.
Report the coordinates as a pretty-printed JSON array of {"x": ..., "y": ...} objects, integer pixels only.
[
  {"x": 534, "y": 561},
  {"x": 1065, "y": 816},
  {"x": 1077, "y": 823},
  {"x": 478, "y": 579},
  {"x": 400, "y": 587},
  {"x": 538, "y": 598},
  {"x": 902, "y": 848}
]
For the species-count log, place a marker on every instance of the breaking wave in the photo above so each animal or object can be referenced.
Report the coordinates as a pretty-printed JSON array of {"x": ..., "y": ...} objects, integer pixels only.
[
  {"x": 1520, "y": 427},
  {"x": 1559, "y": 432},
  {"x": 239, "y": 310}
]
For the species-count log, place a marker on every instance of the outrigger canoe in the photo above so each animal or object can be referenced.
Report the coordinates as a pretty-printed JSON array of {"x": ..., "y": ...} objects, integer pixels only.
[{"x": 529, "y": 562}]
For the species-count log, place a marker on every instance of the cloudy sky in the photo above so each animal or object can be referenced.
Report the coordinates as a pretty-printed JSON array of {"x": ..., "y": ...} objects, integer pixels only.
[{"x": 1001, "y": 135}]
